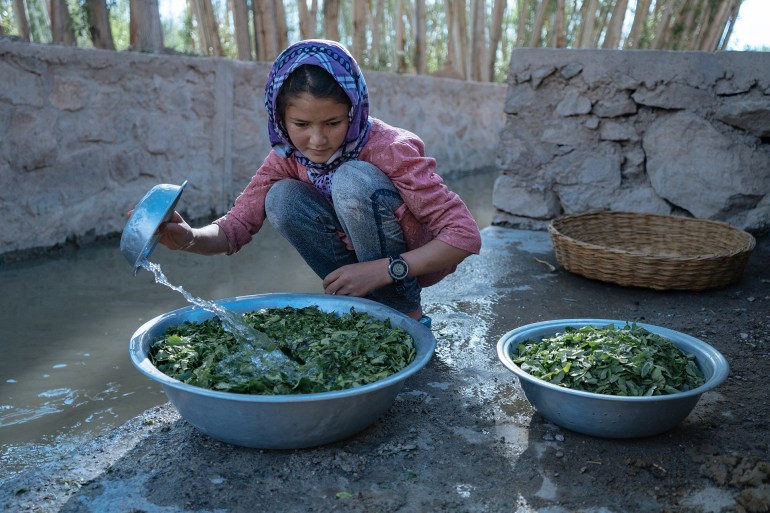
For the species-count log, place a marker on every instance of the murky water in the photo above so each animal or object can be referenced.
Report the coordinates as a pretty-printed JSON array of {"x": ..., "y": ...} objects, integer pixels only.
[{"x": 65, "y": 323}]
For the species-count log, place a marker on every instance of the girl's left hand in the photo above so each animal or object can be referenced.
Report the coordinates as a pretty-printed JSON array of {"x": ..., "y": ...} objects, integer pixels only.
[{"x": 359, "y": 279}]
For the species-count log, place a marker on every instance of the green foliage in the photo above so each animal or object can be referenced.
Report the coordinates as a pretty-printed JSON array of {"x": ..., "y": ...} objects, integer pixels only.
[
  {"x": 119, "y": 14},
  {"x": 37, "y": 18},
  {"x": 628, "y": 361},
  {"x": 178, "y": 33},
  {"x": 7, "y": 21},
  {"x": 316, "y": 352},
  {"x": 79, "y": 15}
]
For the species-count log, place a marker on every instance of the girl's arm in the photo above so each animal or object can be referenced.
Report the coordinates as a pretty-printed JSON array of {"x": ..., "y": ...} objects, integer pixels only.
[
  {"x": 208, "y": 240},
  {"x": 432, "y": 257},
  {"x": 363, "y": 278}
]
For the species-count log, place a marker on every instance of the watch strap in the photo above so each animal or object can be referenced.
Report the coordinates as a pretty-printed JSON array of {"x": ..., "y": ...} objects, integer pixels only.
[{"x": 398, "y": 270}]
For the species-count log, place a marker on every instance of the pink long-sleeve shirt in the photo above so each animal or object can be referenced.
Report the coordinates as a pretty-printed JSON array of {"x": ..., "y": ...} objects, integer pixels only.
[{"x": 430, "y": 210}]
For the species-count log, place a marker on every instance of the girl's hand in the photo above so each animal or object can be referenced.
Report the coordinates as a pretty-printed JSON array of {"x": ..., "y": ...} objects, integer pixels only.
[
  {"x": 363, "y": 278},
  {"x": 359, "y": 280},
  {"x": 176, "y": 233}
]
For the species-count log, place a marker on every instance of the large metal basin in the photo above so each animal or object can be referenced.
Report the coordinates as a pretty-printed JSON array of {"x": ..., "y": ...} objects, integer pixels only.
[
  {"x": 611, "y": 416},
  {"x": 285, "y": 421}
]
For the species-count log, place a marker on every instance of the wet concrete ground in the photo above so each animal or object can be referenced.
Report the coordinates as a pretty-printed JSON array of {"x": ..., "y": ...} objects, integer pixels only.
[{"x": 461, "y": 436}]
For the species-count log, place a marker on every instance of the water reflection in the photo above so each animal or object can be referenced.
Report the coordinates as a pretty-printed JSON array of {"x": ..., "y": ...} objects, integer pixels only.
[{"x": 65, "y": 375}]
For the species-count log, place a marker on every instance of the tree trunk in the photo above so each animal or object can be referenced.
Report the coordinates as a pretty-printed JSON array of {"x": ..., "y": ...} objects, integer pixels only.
[
  {"x": 522, "y": 14},
  {"x": 674, "y": 37},
  {"x": 663, "y": 28},
  {"x": 451, "y": 62},
  {"x": 479, "y": 41},
  {"x": 718, "y": 24},
  {"x": 495, "y": 35},
  {"x": 420, "y": 48},
  {"x": 259, "y": 44},
  {"x": 282, "y": 31},
  {"x": 537, "y": 28},
  {"x": 265, "y": 30},
  {"x": 615, "y": 27},
  {"x": 99, "y": 25},
  {"x": 39, "y": 22},
  {"x": 640, "y": 17},
  {"x": 587, "y": 24},
  {"x": 359, "y": 29},
  {"x": 144, "y": 26},
  {"x": 559, "y": 26},
  {"x": 697, "y": 36},
  {"x": 602, "y": 22},
  {"x": 209, "y": 22},
  {"x": 204, "y": 40},
  {"x": 697, "y": 24},
  {"x": 399, "y": 43},
  {"x": 306, "y": 21},
  {"x": 241, "y": 25},
  {"x": 457, "y": 38},
  {"x": 731, "y": 24},
  {"x": 21, "y": 19},
  {"x": 379, "y": 16},
  {"x": 314, "y": 16},
  {"x": 332, "y": 19},
  {"x": 61, "y": 23}
]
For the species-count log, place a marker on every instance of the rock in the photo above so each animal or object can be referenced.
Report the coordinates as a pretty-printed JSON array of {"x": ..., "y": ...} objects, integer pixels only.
[
  {"x": 702, "y": 170},
  {"x": 540, "y": 203},
  {"x": 615, "y": 106},
  {"x": 755, "y": 499},
  {"x": 751, "y": 115},
  {"x": 673, "y": 96},
  {"x": 573, "y": 104}
]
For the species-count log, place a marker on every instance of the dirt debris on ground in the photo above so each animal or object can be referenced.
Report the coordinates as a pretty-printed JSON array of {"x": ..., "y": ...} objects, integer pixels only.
[{"x": 461, "y": 436}]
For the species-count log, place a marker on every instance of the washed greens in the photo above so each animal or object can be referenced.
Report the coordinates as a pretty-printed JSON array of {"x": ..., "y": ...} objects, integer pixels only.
[
  {"x": 328, "y": 352},
  {"x": 627, "y": 361}
]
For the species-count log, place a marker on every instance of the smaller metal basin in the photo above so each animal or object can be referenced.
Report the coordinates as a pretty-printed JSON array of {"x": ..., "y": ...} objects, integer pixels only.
[
  {"x": 610, "y": 416},
  {"x": 140, "y": 235},
  {"x": 282, "y": 421}
]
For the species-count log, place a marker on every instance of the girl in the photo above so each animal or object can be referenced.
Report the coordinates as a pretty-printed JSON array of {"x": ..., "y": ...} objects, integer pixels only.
[{"x": 356, "y": 197}]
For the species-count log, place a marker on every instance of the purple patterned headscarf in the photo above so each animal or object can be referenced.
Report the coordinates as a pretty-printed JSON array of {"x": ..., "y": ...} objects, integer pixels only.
[{"x": 335, "y": 59}]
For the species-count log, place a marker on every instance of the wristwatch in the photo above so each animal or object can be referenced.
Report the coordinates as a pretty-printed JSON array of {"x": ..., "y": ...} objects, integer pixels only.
[{"x": 398, "y": 269}]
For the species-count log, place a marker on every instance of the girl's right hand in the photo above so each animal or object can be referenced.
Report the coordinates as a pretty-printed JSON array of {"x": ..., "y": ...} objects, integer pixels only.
[{"x": 176, "y": 233}]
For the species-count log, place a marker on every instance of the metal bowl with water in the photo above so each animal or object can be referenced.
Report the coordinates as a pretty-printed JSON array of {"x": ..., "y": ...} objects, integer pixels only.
[
  {"x": 282, "y": 421},
  {"x": 610, "y": 416},
  {"x": 140, "y": 235}
]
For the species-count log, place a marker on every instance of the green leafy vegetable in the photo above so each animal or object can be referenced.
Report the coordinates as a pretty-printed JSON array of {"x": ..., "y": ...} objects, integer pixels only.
[
  {"x": 327, "y": 352},
  {"x": 629, "y": 361}
]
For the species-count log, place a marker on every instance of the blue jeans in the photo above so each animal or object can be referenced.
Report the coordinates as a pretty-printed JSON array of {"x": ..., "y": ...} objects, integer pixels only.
[{"x": 364, "y": 206}]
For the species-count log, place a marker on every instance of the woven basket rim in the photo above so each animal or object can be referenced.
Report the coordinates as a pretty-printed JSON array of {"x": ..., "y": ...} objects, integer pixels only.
[
  {"x": 659, "y": 253},
  {"x": 748, "y": 244}
]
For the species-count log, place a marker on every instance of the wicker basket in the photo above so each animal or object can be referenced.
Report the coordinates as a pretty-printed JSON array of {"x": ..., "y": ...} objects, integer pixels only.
[{"x": 653, "y": 251}]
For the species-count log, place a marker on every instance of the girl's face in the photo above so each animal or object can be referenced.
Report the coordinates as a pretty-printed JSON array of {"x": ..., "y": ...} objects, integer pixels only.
[{"x": 316, "y": 126}]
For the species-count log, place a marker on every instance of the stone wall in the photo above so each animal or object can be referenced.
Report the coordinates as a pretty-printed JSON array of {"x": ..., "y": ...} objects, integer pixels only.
[
  {"x": 644, "y": 131},
  {"x": 84, "y": 134}
]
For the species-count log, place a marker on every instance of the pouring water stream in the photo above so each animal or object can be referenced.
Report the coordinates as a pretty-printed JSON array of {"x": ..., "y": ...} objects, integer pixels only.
[{"x": 260, "y": 348}]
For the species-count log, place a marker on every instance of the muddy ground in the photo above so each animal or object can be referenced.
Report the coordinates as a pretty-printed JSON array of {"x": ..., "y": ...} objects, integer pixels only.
[{"x": 461, "y": 436}]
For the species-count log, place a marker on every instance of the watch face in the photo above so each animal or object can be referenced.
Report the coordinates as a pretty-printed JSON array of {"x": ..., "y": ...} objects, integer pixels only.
[{"x": 398, "y": 269}]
